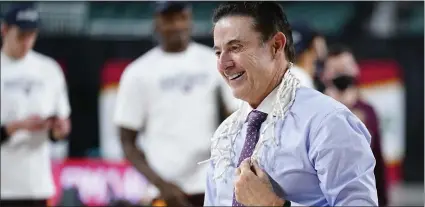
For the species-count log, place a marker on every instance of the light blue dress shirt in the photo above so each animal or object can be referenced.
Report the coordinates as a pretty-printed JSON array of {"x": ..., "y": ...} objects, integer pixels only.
[{"x": 322, "y": 156}]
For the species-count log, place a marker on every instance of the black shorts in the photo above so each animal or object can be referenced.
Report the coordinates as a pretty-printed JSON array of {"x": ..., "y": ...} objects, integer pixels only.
[
  {"x": 23, "y": 202},
  {"x": 195, "y": 199}
]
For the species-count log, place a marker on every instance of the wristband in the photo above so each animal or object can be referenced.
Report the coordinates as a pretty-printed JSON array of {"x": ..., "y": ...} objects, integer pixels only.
[
  {"x": 3, "y": 134},
  {"x": 51, "y": 137}
]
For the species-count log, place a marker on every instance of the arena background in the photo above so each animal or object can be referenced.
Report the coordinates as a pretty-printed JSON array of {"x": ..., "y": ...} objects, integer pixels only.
[{"x": 94, "y": 41}]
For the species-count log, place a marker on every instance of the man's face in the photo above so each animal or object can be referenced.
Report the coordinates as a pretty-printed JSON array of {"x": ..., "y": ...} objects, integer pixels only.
[
  {"x": 174, "y": 27},
  {"x": 343, "y": 64},
  {"x": 18, "y": 41},
  {"x": 245, "y": 62},
  {"x": 346, "y": 65}
]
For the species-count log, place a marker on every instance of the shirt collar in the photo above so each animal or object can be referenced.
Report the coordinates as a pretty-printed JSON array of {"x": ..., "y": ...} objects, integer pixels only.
[
  {"x": 266, "y": 106},
  {"x": 7, "y": 59}
]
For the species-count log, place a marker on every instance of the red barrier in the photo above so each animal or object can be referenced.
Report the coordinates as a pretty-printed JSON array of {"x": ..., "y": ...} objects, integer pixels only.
[{"x": 98, "y": 181}]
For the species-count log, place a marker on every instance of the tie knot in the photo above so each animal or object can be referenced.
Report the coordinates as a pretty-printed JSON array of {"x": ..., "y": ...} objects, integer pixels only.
[{"x": 256, "y": 118}]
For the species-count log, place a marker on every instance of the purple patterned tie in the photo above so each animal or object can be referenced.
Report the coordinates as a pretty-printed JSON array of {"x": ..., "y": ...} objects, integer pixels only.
[{"x": 255, "y": 119}]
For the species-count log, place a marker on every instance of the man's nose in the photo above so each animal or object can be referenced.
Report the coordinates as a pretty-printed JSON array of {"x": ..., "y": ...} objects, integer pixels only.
[{"x": 225, "y": 62}]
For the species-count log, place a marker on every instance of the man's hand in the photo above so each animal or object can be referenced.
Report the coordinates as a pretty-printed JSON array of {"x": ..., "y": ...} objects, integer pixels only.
[
  {"x": 173, "y": 195},
  {"x": 254, "y": 188},
  {"x": 32, "y": 123},
  {"x": 61, "y": 128}
]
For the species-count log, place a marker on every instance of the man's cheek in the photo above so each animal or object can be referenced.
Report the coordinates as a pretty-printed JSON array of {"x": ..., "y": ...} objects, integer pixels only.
[{"x": 250, "y": 60}]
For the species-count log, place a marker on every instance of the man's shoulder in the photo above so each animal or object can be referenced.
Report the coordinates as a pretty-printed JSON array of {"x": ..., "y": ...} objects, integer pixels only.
[
  {"x": 41, "y": 58},
  {"x": 310, "y": 96},
  {"x": 312, "y": 103},
  {"x": 151, "y": 55},
  {"x": 314, "y": 110},
  {"x": 202, "y": 48},
  {"x": 202, "y": 52},
  {"x": 143, "y": 63},
  {"x": 48, "y": 65}
]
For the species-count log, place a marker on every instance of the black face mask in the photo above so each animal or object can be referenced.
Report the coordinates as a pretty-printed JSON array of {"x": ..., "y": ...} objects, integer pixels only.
[{"x": 343, "y": 82}]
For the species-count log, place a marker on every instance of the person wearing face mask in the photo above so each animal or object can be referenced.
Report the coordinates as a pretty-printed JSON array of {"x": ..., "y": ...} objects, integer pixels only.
[
  {"x": 34, "y": 110},
  {"x": 340, "y": 77},
  {"x": 310, "y": 49},
  {"x": 169, "y": 95},
  {"x": 286, "y": 143}
]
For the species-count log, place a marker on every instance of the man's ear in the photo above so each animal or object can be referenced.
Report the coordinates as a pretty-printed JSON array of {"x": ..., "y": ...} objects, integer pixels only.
[
  {"x": 4, "y": 29},
  {"x": 278, "y": 43}
]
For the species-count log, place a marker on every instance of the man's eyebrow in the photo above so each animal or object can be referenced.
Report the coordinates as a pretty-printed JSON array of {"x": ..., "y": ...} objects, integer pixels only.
[{"x": 233, "y": 41}]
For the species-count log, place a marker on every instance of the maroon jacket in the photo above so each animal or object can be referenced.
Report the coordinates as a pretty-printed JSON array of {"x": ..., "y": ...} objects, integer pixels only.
[{"x": 370, "y": 119}]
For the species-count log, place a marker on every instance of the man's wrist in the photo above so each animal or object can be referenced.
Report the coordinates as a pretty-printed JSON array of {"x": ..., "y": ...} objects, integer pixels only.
[
  {"x": 11, "y": 128},
  {"x": 4, "y": 136},
  {"x": 8, "y": 130}
]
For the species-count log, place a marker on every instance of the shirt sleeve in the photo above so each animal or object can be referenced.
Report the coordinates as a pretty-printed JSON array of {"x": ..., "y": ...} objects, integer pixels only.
[
  {"x": 130, "y": 106},
  {"x": 63, "y": 109},
  {"x": 341, "y": 154},
  {"x": 210, "y": 191}
]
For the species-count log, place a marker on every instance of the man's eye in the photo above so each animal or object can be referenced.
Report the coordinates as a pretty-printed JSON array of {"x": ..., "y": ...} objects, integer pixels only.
[
  {"x": 235, "y": 48},
  {"x": 217, "y": 53}
]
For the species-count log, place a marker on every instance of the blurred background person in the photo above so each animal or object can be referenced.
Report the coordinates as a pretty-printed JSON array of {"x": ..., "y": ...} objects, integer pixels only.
[
  {"x": 34, "y": 110},
  {"x": 310, "y": 50},
  {"x": 168, "y": 95},
  {"x": 340, "y": 77}
]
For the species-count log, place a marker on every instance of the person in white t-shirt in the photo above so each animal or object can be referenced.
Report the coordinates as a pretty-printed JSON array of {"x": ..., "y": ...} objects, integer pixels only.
[
  {"x": 169, "y": 96},
  {"x": 34, "y": 110},
  {"x": 310, "y": 48}
]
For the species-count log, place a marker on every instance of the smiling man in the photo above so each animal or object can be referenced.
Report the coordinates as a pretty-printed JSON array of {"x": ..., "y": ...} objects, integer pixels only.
[{"x": 286, "y": 143}]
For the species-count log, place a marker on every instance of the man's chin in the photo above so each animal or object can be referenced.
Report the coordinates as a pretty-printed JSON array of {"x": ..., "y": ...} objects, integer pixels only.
[{"x": 240, "y": 93}]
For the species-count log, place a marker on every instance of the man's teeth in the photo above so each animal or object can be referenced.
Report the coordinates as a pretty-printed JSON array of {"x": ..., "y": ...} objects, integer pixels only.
[{"x": 236, "y": 75}]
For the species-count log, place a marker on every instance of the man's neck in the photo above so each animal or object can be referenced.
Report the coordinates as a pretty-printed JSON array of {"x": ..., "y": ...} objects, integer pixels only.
[
  {"x": 272, "y": 86},
  {"x": 174, "y": 49},
  {"x": 6, "y": 53},
  {"x": 9, "y": 55},
  {"x": 306, "y": 62}
]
